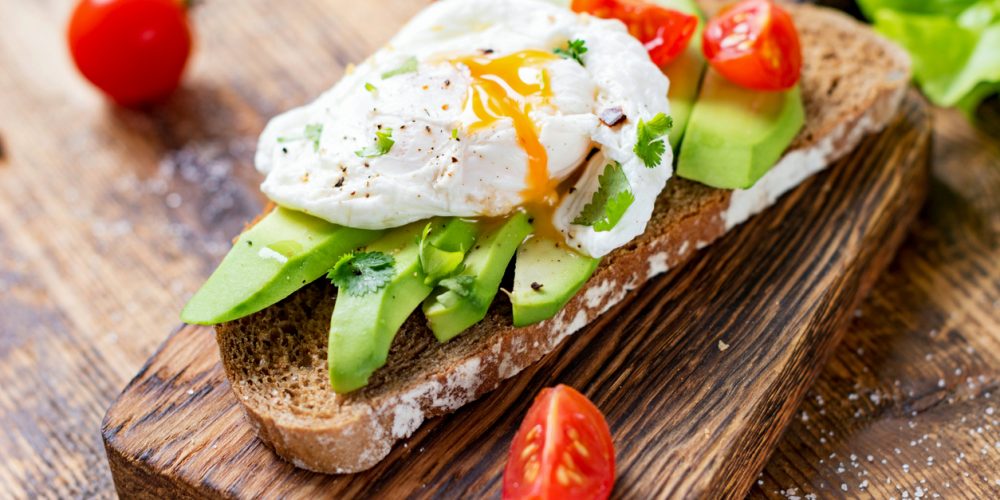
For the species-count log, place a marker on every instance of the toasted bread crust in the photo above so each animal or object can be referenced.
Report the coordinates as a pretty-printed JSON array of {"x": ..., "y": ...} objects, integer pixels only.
[{"x": 276, "y": 359}]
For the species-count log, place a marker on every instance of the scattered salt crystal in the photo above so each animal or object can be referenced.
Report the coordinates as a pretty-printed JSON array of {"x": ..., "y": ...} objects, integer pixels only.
[
  {"x": 870, "y": 458},
  {"x": 958, "y": 371},
  {"x": 843, "y": 486},
  {"x": 190, "y": 392},
  {"x": 174, "y": 200},
  {"x": 852, "y": 397},
  {"x": 723, "y": 346},
  {"x": 990, "y": 410},
  {"x": 940, "y": 382}
]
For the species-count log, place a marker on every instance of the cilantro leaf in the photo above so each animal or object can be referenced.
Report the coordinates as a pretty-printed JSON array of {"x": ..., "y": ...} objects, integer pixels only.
[
  {"x": 370, "y": 88},
  {"x": 311, "y": 133},
  {"x": 612, "y": 199},
  {"x": 575, "y": 49},
  {"x": 362, "y": 273},
  {"x": 649, "y": 145},
  {"x": 408, "y": 66},
  {"x": 383, "y": 143},
  {"x": 437, "y": 263}
]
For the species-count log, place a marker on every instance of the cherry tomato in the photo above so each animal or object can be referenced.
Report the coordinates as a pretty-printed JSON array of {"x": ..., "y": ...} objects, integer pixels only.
[
  {"x": 664, "y": 32},
  {"x": 133, "y": 50},
  {"x": 562, "y": 450},
  {"x": 754, "y": 44}
]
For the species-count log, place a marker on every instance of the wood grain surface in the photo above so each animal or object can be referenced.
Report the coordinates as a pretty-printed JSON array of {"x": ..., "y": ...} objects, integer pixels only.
[
  {"x": 910, "y": 402},
  {"x": 110, "y": 219},
  {"x": 697, "y": 387}
]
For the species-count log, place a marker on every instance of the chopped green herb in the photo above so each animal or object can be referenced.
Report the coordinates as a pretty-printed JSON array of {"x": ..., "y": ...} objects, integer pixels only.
[
  {"x": 312, "y": 133},
  {"x": 408, "y": 66},
  {"x": 454, "y": 133},
  {"x": 369, "y": 87},
  {"x": 362, "y": 273},
  {"x": 435, "y": 262},
  {"x": 461, "y": 285},
  {"x": 612, "y": 199},
  {"x": 649, "y": 145},
  {"x": 575, "y": 49},
  {"x": 383, "y": 143}
]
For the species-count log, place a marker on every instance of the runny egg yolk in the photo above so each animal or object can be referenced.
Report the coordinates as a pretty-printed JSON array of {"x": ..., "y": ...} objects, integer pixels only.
[{"x": 499, "y": 90}]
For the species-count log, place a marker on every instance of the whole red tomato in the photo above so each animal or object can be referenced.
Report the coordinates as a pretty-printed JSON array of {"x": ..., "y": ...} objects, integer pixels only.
[
  {"x": 562, "y": 450},
  {"x": 754, "y": 44},
  {"x": 133, "y": 50}
]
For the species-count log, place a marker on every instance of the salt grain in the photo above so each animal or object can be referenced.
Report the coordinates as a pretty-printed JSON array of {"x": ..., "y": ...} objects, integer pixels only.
[{"x": 174, "y": 200}]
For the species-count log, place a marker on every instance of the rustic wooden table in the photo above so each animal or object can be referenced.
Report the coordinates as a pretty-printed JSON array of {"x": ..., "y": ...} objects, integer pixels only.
[{"x": 109, "y": 219}]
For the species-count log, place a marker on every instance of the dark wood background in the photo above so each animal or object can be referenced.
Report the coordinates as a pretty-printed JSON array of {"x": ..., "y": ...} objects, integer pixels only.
[{"x": 109, "y": 219}]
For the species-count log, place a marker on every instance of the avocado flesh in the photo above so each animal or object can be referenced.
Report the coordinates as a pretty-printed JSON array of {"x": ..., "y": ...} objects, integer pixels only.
[
  {"x": 735, "y": 134},
  {"x": 685, "y": 72},
  {"x": 280, "y": 254},
  {"x": 448, "y": 312},
  {"x": 547, "y": 275},
  {"x": 363, "y": 326}
]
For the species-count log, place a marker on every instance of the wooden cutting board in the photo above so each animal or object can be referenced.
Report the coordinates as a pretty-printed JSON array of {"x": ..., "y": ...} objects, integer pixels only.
[{"x": 698, "y": 372}]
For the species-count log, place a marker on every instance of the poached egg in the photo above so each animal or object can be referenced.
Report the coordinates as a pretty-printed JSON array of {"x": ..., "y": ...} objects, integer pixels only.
[{"x": 468, "y": 112}]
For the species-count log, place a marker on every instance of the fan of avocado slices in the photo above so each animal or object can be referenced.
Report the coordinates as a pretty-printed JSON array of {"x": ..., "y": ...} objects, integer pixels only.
[{"x": 451, "y": 268}]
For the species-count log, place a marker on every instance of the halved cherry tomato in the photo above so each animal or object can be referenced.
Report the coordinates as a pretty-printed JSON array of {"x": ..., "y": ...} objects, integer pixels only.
[
  {"x": 754, "y": 44},
  {"x": 133, "y": 50},
  {"x": 562, "y": 450},
  {"x": 664, "y": 32}
]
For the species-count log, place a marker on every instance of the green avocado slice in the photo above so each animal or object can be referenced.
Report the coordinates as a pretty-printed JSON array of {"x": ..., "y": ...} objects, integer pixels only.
[
  {"x": 363, "y": 326},
  {"x": 736, "y": 134},
  {"x": 685, "y": 72},
  {"x": 547, "y": 275},
  {"x": 462, "y": 301},
  {"x": 271, "y": 260}
]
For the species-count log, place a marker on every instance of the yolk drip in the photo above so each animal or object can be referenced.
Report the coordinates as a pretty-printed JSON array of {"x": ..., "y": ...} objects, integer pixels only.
[{"x": 498, "y": 90}]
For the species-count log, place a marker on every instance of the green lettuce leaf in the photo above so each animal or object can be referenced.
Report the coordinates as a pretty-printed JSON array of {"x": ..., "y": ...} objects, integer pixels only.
[{"x": 954, "y": 44}]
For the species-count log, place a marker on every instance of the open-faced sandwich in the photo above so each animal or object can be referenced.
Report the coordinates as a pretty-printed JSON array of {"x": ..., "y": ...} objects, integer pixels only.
[{"x": 559, "y": 154}]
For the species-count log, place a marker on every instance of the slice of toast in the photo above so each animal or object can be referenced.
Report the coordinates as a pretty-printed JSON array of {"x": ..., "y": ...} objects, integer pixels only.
[{"x": 852, "y": 83}]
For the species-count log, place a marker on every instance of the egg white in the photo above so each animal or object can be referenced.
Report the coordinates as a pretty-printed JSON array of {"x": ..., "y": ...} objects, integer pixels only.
[{"x": 429, "y": 172}]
